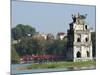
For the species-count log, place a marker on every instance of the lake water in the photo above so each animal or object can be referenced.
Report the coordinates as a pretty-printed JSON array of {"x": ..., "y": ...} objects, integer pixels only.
[{"x": 16, "y": 71}]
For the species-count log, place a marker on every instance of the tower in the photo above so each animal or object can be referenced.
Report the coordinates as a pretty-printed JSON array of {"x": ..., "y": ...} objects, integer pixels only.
[{"x": 79, "y": 44}]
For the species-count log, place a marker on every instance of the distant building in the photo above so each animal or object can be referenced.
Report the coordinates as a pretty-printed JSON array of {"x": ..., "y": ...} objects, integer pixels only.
[
  {"x": 50, "y": 36},
  {"x": 16, "y": 41},
  {"x": 79, "y": 44},
  {"x": 40, "y": 36},
  {"x": 61, "y": 36},
  {"x": 44, "y": 35}
]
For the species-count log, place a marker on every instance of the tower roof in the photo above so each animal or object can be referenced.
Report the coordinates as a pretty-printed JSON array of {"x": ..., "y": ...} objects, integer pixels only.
[{"x": 78, "y": 16}]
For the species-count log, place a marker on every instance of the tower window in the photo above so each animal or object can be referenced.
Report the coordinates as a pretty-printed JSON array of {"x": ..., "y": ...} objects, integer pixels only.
[
  {"x": 85, "y": 26},
  {"x": 86, "y": 39},
  {"x": 78, "y": 54},
  {"x": 78, "y": 40},
  {"x": 88, "y": 54}
]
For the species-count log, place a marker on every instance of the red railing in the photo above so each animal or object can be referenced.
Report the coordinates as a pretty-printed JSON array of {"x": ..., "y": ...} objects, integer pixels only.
[{"x": 33, "y": 57}]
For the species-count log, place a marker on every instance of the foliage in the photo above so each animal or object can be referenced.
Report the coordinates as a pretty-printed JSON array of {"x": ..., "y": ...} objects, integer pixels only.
[
  {"x": 31, "y": 46},
  {"x": 36, "y": 45},
  {"x": 22, "y": 31},
  {"x": 27, "y": 46},
  {"x": 14, "y": 55},
  {"x": 57, "y": 47}
]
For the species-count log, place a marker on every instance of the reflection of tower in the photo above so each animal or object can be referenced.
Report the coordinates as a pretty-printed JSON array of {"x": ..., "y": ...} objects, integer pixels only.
[{"x": 79, "y": 45}]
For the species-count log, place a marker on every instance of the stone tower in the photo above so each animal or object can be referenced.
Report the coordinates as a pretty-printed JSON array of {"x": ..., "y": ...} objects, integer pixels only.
[{"x": 79, "y": 44}]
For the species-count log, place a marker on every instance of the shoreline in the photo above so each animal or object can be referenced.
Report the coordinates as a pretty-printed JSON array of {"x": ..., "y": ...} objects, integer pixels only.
[{"x": 57, "y": 65}]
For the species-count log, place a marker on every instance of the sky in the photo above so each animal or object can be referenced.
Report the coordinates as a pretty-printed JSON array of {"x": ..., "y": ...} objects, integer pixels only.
[{"x": 49, "y": 17}]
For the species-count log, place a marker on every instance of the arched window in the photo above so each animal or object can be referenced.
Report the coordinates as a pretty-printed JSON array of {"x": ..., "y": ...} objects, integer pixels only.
[
  {"x": 78, "y": 54},
  {"x": 78, "y": 40},
  {"x": 85, "y": 26},
  {"x": 88, "y": 54},
  {"x": 86, "y": 39}
]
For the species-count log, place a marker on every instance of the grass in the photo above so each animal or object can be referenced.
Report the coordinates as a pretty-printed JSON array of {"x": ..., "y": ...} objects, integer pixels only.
[{"x": 64, "y": 64}]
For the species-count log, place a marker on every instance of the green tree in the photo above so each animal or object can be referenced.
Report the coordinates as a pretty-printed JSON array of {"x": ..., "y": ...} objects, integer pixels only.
[
  {"x": 57, "y": 47},
  {"x": 27, "y": 46},
  {"x": 31, "y": 46},
  {"x": 22, "y": 31},
  {"x": 14, "y": 55}
]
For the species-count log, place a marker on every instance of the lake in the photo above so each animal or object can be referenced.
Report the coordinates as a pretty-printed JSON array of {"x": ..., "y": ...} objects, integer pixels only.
[{"x": 16, "y": 71}]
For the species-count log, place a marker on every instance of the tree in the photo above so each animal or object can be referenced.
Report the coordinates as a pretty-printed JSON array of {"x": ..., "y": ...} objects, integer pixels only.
[
  {"x": 14, "y": 55},
  {"x": 27, "y": 46},
  {"x": 22, "y": 31},
  {"x": 31, "y": 46},
  {"x": 57, "y": 47},
  {"x": 93, "y": 38}
]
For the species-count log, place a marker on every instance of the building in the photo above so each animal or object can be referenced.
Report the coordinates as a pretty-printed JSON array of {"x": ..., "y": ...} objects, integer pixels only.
[
  {"x": 42, "y": 36},
  {"x": 61, "y": 36},
  {"x": 50, "y": 36},
  {"x": 79, "y": 44},
  {"x": 39, "y": 36}
]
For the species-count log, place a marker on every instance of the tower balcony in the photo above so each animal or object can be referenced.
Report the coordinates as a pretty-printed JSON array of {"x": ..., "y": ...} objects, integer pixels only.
[
  {"x": 83, "y": 59},
  {"x": 82, "y": 31},
  {"x": 82, "y": 43}
]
